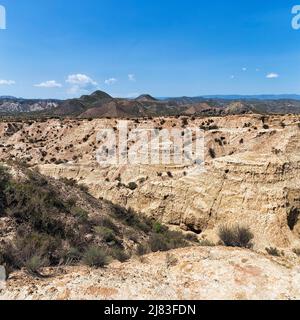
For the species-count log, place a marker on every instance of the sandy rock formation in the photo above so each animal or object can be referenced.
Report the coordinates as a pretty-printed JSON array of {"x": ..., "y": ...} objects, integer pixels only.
[{"x": 251, "y": 178}]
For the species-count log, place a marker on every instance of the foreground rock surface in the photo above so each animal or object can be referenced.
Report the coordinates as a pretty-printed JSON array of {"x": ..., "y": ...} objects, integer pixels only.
[{"x": 190, "y": 273}]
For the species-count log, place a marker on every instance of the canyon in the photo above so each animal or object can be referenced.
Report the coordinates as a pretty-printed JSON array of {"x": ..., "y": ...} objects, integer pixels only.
[{"x": 251, "y": 178}]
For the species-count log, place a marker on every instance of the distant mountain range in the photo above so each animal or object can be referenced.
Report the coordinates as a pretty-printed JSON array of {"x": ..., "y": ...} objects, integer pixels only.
[
  {"x": 100, "y": 104},
  {"x": 11, "y": 105},
  {"x": 256, "y": 97},
  {"x": 233, "y": 97}
]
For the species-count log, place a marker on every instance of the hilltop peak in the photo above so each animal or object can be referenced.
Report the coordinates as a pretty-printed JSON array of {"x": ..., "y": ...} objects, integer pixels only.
[{"x": 145, "y": 97}]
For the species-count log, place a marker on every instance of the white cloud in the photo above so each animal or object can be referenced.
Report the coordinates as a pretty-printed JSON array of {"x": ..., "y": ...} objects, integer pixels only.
[
  {"x": 131, "y": 77},
  {"x": 272, "y": 75},
  {"x": 81, "y": 79},
  {"x": 48, "y": 84},
  {"x": 244, "y": 69},
  {"x": 232, "y": 77},
  {"x": 7, "y": 82},
  {"x": 81, "y": 83},
  {"x": 110, "y": 81}
]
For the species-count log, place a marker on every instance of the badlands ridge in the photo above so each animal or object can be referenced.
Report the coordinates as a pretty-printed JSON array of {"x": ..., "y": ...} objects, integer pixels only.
[{"x": 251, "y": 178}]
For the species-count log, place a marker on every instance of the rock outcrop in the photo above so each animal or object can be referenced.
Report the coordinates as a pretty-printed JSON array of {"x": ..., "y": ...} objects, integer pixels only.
[{"x": 251, "y": 178}]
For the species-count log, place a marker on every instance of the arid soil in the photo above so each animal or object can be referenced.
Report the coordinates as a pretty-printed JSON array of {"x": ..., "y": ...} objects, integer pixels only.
[{"x": 190, "y": 273}]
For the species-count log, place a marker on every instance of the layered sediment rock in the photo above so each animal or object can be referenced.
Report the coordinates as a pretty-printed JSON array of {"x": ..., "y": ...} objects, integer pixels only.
[{"x": 251, "y": 177}]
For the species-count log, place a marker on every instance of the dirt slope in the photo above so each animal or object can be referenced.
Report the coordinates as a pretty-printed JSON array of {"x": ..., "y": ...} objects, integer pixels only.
[{"x": 190, "y": 273}]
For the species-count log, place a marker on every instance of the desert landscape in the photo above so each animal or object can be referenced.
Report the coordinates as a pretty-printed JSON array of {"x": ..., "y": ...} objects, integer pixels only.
[
  {"x": 169, "y": 231},
  {"x": 150, "y": 152}
]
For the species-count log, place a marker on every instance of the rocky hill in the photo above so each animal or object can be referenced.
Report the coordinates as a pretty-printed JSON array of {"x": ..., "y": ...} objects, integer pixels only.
[
  {"x": 46, "y": 222},
  {"x": 243, "y": 154},
  {"x": 12, "y": 105},
  {"x": 251, "y": 180},
  {"x": 101, "y": 105}
]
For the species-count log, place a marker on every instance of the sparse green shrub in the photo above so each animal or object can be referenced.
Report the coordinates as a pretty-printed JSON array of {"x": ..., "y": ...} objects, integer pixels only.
[
  {"x": 132, "y": 186},
  {"x": 81, "y": 214},
  {"x": 4, "y": 177},
  {"x": 29, "y": 202},
  {"x": 95, "y": 257},
  {"x": 158, "y": 242},
  {"x": 273, "y": 252},
  {"x": 142, "y": 250},
  {"x": 185, "y": 122},
  {"x": 171, "y": 260},
  {"x": 32, "y": 251},
  {"x": 108, "y": 223},
  {"x": 72, "y": 256},
  {"x": 206, "y": 243},
  {"x": 212, "y": 153},
  {"x": 158, "y": 227},
  {"x": 105, "y": 233},
  {"x": 170, "y": 174},
  {"x": 119, "y": 254},
  {"x": 236, "y": 236},
  {"x": 132, "y": 219},
  {"x": 166, "y": 241},
  {"x": 71, "y": 202},
  {"x": 34, "y": 264},
  {"x": 83, "y": 188}
]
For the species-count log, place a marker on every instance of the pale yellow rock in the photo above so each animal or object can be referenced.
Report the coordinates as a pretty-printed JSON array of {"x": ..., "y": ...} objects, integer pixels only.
[
  {"x": 253, "y": 181},
  {"x": 197, "y": 273}
]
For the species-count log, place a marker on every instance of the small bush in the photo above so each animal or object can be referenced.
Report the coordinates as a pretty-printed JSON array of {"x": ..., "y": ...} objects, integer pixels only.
[
  {"x": 72, "y": 256},
  {"x": 166, "y": 240},
  {"x": 132, "y": 186},
  {"x": 273, "y": 252},
  {"x": 212, "y": 153},
  {"x": 105, "y": 233},
  {"x": 170, "y": 174},
  {"x": 69, "y": 182},
  {"x": 158, "y": 243},
  {"x": 84, "y": 188},
  {"x": 95, "y": 257},
  {"x": 158, "y": 227},
  {"x": 206, "y": 243},
  {"x": 297, "y": 251},
  {"x": 32, "y": 251},
  {"x": 119, "y": 254},
  {"x": 142, "y": 250},
  {"x": 80, "y": 214},
  {"x": 236, "y": 236},
  {"x": 108, "y": 223},
  {"x": 35, "y": 263},
  {"x": 171, "y": 260}
]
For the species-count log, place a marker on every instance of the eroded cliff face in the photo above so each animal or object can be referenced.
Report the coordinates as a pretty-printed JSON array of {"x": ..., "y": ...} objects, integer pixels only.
[{"x": 251, "y": 177}]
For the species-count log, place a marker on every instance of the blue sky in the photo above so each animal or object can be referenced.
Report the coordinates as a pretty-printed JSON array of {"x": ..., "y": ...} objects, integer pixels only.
[{"x": 64, "y": 48}]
